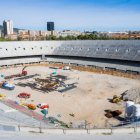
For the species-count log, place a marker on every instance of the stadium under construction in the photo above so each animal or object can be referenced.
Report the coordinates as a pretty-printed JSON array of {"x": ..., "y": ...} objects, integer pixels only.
[{"x": 78, "y": 84}]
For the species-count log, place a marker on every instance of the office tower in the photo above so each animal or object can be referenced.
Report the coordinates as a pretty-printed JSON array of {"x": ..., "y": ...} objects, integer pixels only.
[
  {"x": 50, "y": 26},
  {"x": 7, "y": 27},
  {"x": 0, "y": 33}
]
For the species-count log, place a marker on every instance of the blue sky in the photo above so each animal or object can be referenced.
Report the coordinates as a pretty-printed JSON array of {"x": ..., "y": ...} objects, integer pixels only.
[{"x": 101, "y": 15}]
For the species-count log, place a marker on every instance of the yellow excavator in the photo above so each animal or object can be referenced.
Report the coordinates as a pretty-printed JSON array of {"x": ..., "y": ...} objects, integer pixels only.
[{"x": 116, "y": 99}]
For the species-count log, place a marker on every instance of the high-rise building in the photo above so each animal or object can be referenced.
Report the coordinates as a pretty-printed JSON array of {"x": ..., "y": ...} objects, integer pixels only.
[
  {"x": 50, "y": 26},
  {"x": 7, "y": 27},
  {"x": 0, "y": 33}
]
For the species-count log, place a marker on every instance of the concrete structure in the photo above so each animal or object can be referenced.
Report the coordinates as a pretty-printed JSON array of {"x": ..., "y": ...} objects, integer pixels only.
[
  {"x": 36, "y": 136},
  {"x": 69, "y": 33},
  {"x": 21, "y": 124},
  {"x": 8, "y": 27},
  {"x": 10, "y": 116},
  {"x": 12, "y": 37},
  {"x": 110, "y": 54},
  {"x": 22, "y": 129}
]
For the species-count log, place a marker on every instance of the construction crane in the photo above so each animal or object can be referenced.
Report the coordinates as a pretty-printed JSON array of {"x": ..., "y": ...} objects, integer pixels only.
[{"x": 24, "y": 72}]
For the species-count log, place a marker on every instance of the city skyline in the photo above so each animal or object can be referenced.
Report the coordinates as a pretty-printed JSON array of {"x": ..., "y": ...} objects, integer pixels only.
[{"x": 100, "y": 15}]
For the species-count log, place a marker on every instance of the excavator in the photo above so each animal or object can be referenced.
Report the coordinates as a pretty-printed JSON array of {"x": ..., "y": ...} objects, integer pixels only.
[
  {"x": 23, "y": 73},
  {"x": 116, "y": 99}
]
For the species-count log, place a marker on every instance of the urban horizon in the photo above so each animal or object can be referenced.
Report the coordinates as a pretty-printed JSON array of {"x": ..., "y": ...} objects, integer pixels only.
[
  {"x": 66, "y": 28},
  {"x": 8, "y": 32},
  {"x": 86, "y": 15}
]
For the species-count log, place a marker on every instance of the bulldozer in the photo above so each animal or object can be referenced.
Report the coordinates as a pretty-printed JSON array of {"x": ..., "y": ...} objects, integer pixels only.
[{"x": 116, "y": 99}]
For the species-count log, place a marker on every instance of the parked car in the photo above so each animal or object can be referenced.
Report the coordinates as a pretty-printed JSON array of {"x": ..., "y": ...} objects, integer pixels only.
[
  {"x": 43, "y": 105},
  {"x": 24, "y": 95},
  {"x": 31, "y": 106}
]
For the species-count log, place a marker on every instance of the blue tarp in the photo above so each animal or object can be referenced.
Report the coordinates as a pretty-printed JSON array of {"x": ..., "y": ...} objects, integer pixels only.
[{"x": 7, "y": 86}]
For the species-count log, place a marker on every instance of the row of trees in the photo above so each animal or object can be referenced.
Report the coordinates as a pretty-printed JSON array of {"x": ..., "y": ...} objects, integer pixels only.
[
  {"x": 80, "y": 37},
  {"x": 3, "y": 39},
  {"x": 87, "y": 37}
]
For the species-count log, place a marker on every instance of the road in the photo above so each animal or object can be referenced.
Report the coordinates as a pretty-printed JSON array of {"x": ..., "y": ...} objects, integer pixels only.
[{"x": 23, "y": 136}]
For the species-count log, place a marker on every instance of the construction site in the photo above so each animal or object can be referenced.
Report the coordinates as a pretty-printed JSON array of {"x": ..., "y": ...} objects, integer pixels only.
[
  {"x": 75, "y": 98},
  {"x": 70, "y": 84}
]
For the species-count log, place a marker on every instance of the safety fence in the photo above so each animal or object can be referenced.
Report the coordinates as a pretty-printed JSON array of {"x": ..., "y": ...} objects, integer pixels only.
[{"x": 102, "y": 131}]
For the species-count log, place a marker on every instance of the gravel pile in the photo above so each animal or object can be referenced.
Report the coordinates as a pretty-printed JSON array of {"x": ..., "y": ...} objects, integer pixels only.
[{"x": 132, "y": 95}]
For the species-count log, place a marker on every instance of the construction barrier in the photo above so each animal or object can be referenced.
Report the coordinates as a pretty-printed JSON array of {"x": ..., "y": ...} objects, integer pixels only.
[
  {"x": 79, "y": 131},
  {"x": 100, "y": 131},
  {"x": 75, "y": 131},
  {"x": 53, "y": 131},
  {"x": 96, "y": 70},
  {"x": 123, "y": 130}
]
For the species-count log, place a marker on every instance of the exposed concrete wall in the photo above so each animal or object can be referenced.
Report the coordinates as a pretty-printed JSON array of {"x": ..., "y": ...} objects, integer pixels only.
[
  {"x": 71, "y": 131},
  {"x": 110, "y": 49},
  {"x": 53, "y": 131},
  {"x": 123, "y": 130},
  {"x": 98, "y": 64},
  {"x": 19, "y": 61},
  {"x": 76, "y": 131},
  {"x": 100, "y": 131}
]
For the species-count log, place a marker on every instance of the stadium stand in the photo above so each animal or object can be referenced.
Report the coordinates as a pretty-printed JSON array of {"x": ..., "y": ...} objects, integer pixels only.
[{"x": 114, "y": 54}]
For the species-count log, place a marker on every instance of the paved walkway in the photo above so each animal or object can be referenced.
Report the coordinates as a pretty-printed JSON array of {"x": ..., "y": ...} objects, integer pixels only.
[{"x": 22, "y": 109}]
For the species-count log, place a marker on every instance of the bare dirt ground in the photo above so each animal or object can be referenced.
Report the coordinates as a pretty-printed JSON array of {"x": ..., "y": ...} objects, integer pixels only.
[{"x": 88, "y": 101}]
